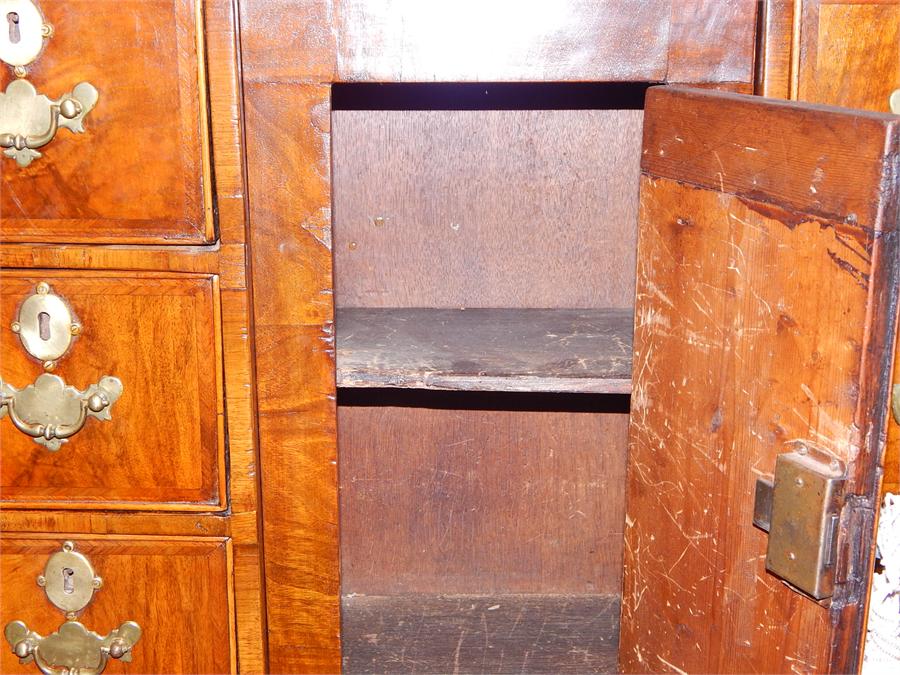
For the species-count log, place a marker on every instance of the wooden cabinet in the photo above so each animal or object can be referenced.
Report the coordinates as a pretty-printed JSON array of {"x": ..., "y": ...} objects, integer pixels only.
[
  {"x": 448, "y": 342},
  {"x": 125, "y": 224}
]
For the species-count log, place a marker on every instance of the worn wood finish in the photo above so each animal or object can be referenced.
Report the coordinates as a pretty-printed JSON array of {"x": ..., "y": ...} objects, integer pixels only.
[
  {"x": 583, "y": 40},
  {"x": 850, "y": 56},
  {"x": 116, "y": 522},
  {"x": 290, "y": 212},
  {"x": 762, "y": 318},
  {"x": 140, "y": 173},
  {"x": 286, "y": 75},
  {"x": 165, "y": 584},
  {"x": 712, "y": 42},
  {"x": 556, "y": 350},
  {"x": 159, "y": 334},
  {"x": 775, "y": 49},
  {"x": 892, "y": 453},
  {"x": 494, "y": 493},
  {"x": 480, "y": 633},
  {"x": 484, "y": 209},
  {"x": 849, "y": 53}
]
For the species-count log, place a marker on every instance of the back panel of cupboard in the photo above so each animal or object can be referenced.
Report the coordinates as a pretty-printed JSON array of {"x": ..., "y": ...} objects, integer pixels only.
[{"x": 483, "y": 208}]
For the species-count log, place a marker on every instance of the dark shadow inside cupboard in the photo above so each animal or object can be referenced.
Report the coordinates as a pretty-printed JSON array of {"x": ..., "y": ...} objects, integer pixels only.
[{"x": 484, "y": 251}]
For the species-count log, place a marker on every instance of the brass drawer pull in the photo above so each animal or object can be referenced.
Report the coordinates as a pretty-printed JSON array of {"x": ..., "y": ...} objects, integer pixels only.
[
  {"x": 51, "y": 412},
  {"x": 29, "y": 120},
  {"x": 69, "y": 582}
]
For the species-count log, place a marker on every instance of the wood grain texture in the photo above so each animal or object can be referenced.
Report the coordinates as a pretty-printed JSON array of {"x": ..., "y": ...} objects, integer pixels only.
[
  {"x": 712, "y": 42},
  {"x": 244, "y": 522},
  {"x": 116, "y": 522},
  {"x": 734, "y": 157},
  {"x": 485, "y": 208},
  {"x": 775, "y": 49},
  {"x": 165, "y": 584},
  {"x": 480, "y": 633},
  {"x": 227, "y": 259},
  {"x": 551, "y": 350},
  {"x": 759, "y": 323},
  {"x": 490, "y": 494},
  {"x": 850, "y": 56},
  {"x": 149, "y": 127},
  {"x": 294, "y": 334},
  {"x": 849, "y": 53},
  {"x": 286, "y": 76},
  {"x": 575, "y": 40},
  {"x": 891, "y": 481},
  {"x": 159, "y": 334}
]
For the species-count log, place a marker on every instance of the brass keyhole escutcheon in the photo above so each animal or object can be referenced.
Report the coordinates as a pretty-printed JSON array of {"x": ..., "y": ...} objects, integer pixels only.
[
  {"x": 69, "y": 580},
  {"x": 22, "y": 38},
  {"x": 45, "y": 325}
]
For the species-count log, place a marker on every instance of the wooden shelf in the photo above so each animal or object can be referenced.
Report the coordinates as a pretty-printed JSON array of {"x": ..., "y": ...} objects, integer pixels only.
[
  {"x": 511, "y": 350},
  {"x": 480, "y": 634}
]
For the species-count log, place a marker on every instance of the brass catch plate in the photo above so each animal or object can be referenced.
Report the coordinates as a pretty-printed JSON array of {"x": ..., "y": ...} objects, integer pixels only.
[{"x": 800, "y": 509}]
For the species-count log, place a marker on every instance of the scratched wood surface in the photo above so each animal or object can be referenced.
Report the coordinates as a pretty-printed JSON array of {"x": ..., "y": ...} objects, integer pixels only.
[
  {"x": 139, "y": 173},
  {"x": 550, "y": 350},
  {"x": 480, "y": 633},
  {"x": 480, "y": 493},
  {"x": 144, "y": 579},
  {"x": 287, "y": 74},
  {"x": 764, "y": 315},
  {"x": 850, "y": 56}
]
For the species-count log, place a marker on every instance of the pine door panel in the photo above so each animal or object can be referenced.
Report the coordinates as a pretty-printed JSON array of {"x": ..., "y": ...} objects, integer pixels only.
[{"x": 764, "y": 317}]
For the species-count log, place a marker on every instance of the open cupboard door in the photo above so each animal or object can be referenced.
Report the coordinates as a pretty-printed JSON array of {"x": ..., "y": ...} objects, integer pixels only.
[{"x": 764, "y": 332}]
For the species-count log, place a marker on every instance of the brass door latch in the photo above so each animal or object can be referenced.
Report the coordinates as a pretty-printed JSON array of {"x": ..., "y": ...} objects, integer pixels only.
[
  {"x": 69, "y": 583},
  {"x": 49, "y": 410},
  {"x": 29, "y": 120},
  {"x": 800, "y": 509}
]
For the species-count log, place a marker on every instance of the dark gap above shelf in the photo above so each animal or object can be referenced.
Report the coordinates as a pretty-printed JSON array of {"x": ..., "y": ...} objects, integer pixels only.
[
  {"x": 489, "y": 96},
  {"x": 586, "y": 351}
]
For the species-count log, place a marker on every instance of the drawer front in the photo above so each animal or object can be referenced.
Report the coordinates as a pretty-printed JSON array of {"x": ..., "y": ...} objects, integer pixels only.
[
  {"x": 177, "y": 590},
  {"x": 140, "y": 172},
  {"x": 163, "y": 448}
]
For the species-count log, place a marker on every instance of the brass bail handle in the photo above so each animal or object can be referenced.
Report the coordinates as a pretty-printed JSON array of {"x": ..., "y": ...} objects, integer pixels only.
[
  {"x": 70, "y": 583},
  {"x": 29, "y": 120}
]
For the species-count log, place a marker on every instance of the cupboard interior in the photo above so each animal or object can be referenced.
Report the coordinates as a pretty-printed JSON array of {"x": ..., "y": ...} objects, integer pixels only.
[{"x": 484, "y": 256}]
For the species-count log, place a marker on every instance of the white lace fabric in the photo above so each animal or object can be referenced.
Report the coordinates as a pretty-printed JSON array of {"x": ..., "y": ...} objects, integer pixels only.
[{"x": 882, "y": 652}]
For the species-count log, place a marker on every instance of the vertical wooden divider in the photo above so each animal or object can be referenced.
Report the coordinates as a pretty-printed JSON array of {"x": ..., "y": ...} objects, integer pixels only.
[{"x": 287, "y": 113}]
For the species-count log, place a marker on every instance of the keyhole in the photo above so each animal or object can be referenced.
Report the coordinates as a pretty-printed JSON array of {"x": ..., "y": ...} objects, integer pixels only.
[
  {"x": 14, "y": 34},
  {"x": 68, "y": 580},
  {"x": 44, "y": 326}
]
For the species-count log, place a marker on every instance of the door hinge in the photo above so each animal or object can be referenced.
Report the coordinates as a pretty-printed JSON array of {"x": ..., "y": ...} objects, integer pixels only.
[{"x": 800, "y": 508}]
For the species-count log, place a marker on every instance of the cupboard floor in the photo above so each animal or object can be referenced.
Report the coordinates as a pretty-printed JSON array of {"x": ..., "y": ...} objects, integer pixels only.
[{"x": 480, "y": 633}]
